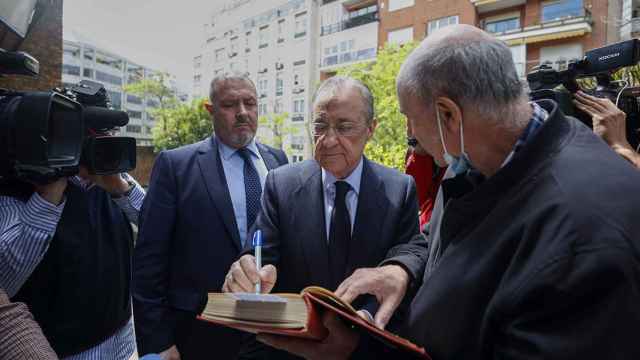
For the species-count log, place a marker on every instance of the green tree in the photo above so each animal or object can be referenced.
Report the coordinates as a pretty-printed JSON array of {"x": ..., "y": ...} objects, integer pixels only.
[
  {"x": 277, "y": 124},
  {"x": 184, "y": 123},
  {"x": 154, "y": 88},
  {"x": 388, "y": 145}
]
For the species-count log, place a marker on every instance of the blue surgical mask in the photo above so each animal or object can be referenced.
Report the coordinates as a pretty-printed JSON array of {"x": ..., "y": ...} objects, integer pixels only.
[{"x": 458, "y": 164}]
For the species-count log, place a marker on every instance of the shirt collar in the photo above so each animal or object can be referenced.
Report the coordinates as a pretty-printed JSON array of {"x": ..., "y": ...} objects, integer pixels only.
[
  {"x": 227, "y": 151},
  {"x": 538, "y": 117},
  {"x": 328, "y": 179}
]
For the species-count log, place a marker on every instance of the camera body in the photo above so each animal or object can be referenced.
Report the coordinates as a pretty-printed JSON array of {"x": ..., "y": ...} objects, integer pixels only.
[
  {"x": 600, "y": 63},
  {"x": 47, "y": 135}
]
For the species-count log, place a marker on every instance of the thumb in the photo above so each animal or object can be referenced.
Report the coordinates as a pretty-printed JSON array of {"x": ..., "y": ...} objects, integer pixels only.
[{"x": 268, "y": 277}]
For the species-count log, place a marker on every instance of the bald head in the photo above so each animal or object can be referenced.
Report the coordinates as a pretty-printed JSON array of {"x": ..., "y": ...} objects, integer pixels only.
[{"x": 465, "y": 64}]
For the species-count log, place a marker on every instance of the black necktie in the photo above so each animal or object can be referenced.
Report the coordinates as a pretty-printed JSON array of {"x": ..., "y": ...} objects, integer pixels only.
[
  {"x": 339, "y": 235},
  {"x": 252, "y": 187}
]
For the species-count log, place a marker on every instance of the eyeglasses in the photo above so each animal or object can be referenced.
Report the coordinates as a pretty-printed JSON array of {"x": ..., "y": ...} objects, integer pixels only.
[{"x": 341, "y": 129}]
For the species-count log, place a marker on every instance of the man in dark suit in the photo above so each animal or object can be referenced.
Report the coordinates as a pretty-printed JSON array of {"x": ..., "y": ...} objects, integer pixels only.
[
  {"x": 202, "y": 198},
  {"x": 322, "y": 219}
]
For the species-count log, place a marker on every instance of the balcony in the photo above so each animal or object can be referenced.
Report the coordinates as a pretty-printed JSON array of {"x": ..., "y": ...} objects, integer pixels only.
[
  {"x": 483, "y": 6},
  {"x": 568, "y": 27},
  {"x": 350, "y": 23},
  {"x": 635, "y": 27}
]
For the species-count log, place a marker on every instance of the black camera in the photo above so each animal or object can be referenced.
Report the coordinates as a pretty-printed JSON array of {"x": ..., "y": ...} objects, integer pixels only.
[
  {"x": 46, "y": 135},
  {"x": 600, "y": 63}
]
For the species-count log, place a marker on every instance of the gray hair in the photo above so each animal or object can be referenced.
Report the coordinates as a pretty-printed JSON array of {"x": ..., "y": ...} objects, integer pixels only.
[
  {"x": 475, "y": 71},
  {"x": 226, "y": 76},
  {"x": 330, "y": 87}
]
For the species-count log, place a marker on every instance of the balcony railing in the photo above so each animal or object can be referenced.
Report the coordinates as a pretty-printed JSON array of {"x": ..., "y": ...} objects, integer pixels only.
[
  {"x": 575, "y": 25},
  {"x": 635, "y": 27},
  {"x": 350, "y": 23},
  {"x": 483, "y": 6}
]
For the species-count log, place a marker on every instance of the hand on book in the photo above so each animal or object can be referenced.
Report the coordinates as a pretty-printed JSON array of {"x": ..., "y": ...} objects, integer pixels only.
[
  {"x": 388, "y": 283},
  {"x": 243, "y": 276},
  {"x": 338, "y": 345}
]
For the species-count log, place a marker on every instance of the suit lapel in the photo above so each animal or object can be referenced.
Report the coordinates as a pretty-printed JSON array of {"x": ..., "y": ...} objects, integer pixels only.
[
  {"x": 269, "y": 160},
  {"x": 213, "y": 175},
  {"x": 314, "y": 244},
  {"x": 370, "y": 214}
]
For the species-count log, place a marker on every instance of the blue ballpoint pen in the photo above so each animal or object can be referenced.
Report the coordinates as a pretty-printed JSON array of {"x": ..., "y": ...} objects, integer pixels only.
[{"x": 257, "y": 245}]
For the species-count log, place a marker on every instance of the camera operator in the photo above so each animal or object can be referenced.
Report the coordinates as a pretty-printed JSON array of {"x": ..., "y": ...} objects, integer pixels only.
[
  {"x": 65, "y": 250},
  {"x": 609, "y": 122}
]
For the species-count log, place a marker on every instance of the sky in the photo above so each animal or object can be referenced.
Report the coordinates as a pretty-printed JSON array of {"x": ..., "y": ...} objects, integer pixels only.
[{"x": 161, "y": 34}]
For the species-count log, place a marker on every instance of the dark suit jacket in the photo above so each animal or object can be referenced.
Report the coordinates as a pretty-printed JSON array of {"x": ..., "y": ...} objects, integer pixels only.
[
  {"x": 294, "y": 233},
  {"x": 188, "y": 238}
]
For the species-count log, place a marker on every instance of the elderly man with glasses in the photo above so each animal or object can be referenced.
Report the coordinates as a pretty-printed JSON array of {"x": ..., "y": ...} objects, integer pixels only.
[{"x": 322, "y": 219}]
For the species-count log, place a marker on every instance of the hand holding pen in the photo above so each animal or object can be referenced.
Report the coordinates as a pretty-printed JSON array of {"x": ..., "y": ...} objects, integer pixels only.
[{"x": 247, "y": 275}]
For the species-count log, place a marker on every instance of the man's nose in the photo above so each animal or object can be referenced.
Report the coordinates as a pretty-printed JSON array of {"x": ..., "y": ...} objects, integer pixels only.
[{"x": 242, "y": 109}]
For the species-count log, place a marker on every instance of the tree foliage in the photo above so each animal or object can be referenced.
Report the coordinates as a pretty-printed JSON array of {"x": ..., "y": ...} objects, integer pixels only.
[
  {"x": 277, "y": 125},
  {"x": 184, "y": 124},
  {"x": 388, "y": 145}
]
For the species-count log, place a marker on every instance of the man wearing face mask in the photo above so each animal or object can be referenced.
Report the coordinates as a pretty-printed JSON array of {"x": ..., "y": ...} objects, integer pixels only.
[
  {"x": 202, "y": 199},
  {"x": 539, "y": 256},
  {"x": 323, "y": 219}
]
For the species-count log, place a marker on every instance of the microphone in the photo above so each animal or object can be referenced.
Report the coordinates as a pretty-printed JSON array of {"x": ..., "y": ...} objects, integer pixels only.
[{"x": 102, "y": 118}]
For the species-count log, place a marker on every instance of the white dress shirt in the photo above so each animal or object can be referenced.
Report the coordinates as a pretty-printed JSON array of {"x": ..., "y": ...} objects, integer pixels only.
[
  {"x": 233, "y": 166},
  {"x": 329, "y": 187}
]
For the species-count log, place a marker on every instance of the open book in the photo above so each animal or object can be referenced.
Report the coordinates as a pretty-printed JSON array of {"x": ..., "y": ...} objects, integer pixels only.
[{"x": 298, "y": 315}]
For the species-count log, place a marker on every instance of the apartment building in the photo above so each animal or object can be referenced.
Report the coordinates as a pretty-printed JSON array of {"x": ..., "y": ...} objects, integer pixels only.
[
  {"x": 348, "y": 34},
  {"x": 538, "y": 31},
  {"x": 275, "y": 43},
  {"x": 82, "y": 59}
]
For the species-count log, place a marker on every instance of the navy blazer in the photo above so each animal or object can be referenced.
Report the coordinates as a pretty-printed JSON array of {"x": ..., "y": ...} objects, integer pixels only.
[
  {"x": 188, "y": 238},
  {"x": 293, "y": 222}
]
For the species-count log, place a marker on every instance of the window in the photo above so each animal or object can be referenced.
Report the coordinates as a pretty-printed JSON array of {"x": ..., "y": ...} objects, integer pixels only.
[
  {"x": 247, "y": 40},
  {"x": 219, "y": 55},
  {"x": 400, "y": 36},
  {"x": 89, "y": 54},
  {"x": 197, "y": 62},
  {"x": 555, "y": 10},
  {"x": 262, "y": 109},
  {"x": 134, "y": 114},
  {"x": 196, "y": 80},
  {"x": 502, "y": 25},
  {"x": 233, "y": 66},
  {"x": 330, "y": 60},
  {"x": 109, "y": 61},
  {"x": 442, "y": 22},
  {"x": 263, "y": 37},
  {"x": 234, "y": 47},
  {"x": 297, "y": 143},
  {"x": 279, "y": 84},
  {"x": 86, "y": 72},
  {"x": 71, "y": 69},
  {"x": 400, "y": 4},
  {"x": 132, "y": 99},
  {"x": 134, "y": 73},
  {"x": 111, "y": 79},
  {"x": 280, "y": 28},
  {"x": 152, "y": 103},
  {"x": 116, "y": 99},
  {"x": 298, "y": 106},
  {"x": 300, "y": 25},
  {"x": 263, "y": 85},
  {"x": 559, "y": 56},
  {"x": 71, "y": 51},
  {"x": 278, "y": 107},
  {"x": 134, "y": 128}
]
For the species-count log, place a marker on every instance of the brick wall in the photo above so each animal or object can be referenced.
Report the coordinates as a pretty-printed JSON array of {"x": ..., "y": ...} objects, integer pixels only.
[
  {"x": 44, "y": 42},
  {"x": 420, "y": 14},
  {"x": 145, "y": 157}
]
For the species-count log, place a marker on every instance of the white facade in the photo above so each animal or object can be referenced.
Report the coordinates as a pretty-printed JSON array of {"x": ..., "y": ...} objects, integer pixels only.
[
  {"x": 348, "y": 33},
  {"x": 274, "y": 42},
  {"x": 630, "y": 22},
  {"x": 286, "y": 47},
  {"x": 82, "y": 60}
]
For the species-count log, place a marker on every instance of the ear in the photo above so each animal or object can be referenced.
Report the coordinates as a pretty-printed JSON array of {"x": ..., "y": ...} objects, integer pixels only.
[
  {"x": 450, "y": 114},
  {"x": 209, "y": 107},
  {"x": 372, "y": 128}
]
